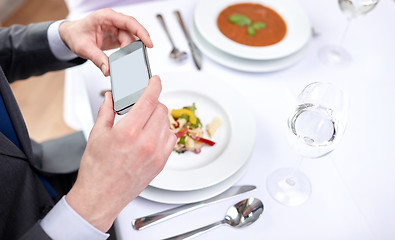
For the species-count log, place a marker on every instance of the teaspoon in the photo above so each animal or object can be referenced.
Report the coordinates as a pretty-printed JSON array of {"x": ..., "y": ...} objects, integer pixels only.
[
  {"x": 175, "y": 53},
  {"x": 241, "y": 214}
]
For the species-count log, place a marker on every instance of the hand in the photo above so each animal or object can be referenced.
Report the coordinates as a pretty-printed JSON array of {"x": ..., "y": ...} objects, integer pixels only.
[
  {"x": 120, "y": 161},
  {"x": 102, "y": 30}
]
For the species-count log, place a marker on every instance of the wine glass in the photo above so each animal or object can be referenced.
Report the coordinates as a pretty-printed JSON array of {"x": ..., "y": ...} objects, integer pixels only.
[
  {"x": 315, "y": 126},
  {"x": 336, "y": 54}
]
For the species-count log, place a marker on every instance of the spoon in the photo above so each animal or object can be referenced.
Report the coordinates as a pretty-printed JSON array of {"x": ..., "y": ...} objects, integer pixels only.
[
  {"x": 241, "y": 214},
  {"x": 175, "y": 54}
]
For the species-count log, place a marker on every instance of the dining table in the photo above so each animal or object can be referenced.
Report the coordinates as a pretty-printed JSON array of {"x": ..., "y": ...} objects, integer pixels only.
[{"x": 353, "y": 187}]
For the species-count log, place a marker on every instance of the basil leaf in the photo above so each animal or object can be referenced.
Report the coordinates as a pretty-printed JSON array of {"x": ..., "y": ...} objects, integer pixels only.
[
  {"x": 251, "y": 31},
  {"x": 240, "y": 20},
  {"x": 259, "y": 25}
]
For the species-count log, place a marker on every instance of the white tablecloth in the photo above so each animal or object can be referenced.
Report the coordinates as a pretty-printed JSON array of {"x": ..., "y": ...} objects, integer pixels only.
[{"x": 353, "y": 191}]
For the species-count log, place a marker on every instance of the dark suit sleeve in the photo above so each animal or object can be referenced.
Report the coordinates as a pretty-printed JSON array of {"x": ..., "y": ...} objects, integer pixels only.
[
  {"x": 34, "y": 233},
  {"x": 25, "y": 51}
]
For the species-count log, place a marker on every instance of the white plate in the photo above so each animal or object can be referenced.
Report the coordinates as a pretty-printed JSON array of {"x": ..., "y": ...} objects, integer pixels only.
[
  {"x": 244, "y": 64},
  {"x": 297, "y": 35},
  {"x": 234, "y": 139},
  {"x": 183, "y": 197}
]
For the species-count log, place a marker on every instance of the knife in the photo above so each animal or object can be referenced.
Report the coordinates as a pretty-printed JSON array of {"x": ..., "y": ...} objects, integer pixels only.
[
  {"x": 143, "y": 222},
  {"x": 197, "y": 57}
]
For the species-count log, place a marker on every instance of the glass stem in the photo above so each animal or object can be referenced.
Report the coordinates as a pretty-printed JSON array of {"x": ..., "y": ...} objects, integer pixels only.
[
  {"x": 343, "y": 36},
  {"x": 290, "y": 179}
]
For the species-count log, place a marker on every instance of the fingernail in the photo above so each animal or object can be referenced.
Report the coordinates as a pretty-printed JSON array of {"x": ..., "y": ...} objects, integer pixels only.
[
  {"x": 107, "y": 95},
  {"x": 104, "y": 69}
]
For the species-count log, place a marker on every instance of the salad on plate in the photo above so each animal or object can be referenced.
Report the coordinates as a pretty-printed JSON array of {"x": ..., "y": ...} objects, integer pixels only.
[{"x": 189, "y": 130}]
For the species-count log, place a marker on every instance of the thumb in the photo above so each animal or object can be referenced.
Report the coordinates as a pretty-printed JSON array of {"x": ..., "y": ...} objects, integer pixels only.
[
  {"x": 106, "y": 114},
  {"x": 99, "y": 58}
]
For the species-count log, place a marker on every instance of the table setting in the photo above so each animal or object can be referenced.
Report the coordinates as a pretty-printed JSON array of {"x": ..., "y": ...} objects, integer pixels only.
[{"x": 340, "y": 139}]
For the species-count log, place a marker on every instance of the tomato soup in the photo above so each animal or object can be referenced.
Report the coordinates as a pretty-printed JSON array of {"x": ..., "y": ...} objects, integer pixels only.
[{"x": 272, "y": 33}]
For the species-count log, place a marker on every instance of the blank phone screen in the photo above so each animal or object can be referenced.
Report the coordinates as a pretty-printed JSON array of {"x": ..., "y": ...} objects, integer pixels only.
[{"x": 129, "y": 74}]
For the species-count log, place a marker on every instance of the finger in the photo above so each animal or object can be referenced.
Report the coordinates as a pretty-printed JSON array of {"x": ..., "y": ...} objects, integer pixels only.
[
  {"x": 159, "y": 126},
  {"x": 157, "y": 131},
  {"x": 97, "y": 56},
  {"x": 171, "y": 142},
  {"x": 106, "y": 115},
  {"x": 125, "y": 38},
  {"x": 131, "y": 25},
  {"x": 145, "y": 105}
]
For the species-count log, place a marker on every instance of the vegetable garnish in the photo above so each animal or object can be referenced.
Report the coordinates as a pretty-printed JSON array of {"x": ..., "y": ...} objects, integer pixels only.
[
  {"x": 203, "y": 140},
  {"x": 182, "y": 132},
  {"x": 186, "y": 113},
  {"x": 188, "y": 129},
  {"x": 240, "y": 20},
  {"x": 244, "y": 21}
]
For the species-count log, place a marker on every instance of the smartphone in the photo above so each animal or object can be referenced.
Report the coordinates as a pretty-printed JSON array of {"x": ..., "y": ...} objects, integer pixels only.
[{"x": 130, "y": 73}]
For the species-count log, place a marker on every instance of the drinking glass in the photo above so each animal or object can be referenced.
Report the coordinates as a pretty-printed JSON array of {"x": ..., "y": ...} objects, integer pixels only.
[
  {"x": 337, "y": 54},
  {"x": 316, "y": 125}
]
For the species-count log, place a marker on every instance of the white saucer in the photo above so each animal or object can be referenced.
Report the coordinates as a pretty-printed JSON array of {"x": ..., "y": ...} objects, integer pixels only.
[
  {"x": 234, "y": 139},
  {"x": 297, "y": 35},
  {"x": 183, "y": 197},
  {"x": 243, "y": 64}
]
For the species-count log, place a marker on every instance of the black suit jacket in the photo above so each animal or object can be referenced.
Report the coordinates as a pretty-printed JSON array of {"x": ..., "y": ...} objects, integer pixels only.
[{"x": 24, "y": 51}]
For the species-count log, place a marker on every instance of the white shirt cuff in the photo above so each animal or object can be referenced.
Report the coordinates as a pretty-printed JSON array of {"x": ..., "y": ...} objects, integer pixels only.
[
  {"x": 63, "y": 223},
  {"x": 58, "y": 47}
]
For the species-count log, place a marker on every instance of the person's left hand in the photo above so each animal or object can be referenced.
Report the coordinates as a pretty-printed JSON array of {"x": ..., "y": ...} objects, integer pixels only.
[{"x": 102, "y": 30}]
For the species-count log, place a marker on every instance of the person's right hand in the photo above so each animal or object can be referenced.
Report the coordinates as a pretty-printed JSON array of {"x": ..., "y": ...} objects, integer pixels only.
[{"x": 120, "y": 161}]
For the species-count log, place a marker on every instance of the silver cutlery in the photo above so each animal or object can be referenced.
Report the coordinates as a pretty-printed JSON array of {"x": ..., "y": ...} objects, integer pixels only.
[
  {"x": 175, "y": 53},
  {"x": 152, "y": 219},
  {"x": 242, "y": 214},
  {"x": 197, "y": 57}
]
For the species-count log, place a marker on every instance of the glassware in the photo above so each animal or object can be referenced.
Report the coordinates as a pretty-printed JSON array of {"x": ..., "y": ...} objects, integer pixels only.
[
  {"x": 336, "y": 54},
  {"x": 316, "y": 126}
]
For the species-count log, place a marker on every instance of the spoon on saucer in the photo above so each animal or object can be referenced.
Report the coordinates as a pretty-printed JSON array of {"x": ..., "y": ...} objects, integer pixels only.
[
  {"x": 175, "y": 53},
  {"x": 240, "y": 215}
]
